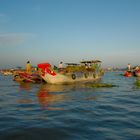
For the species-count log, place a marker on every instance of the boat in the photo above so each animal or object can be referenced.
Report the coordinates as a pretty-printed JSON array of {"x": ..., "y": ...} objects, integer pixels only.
[
  {"x": 128, "y": 73},
  {"x": 133, "y": 72},
  {"x": 137, "y": 73},
  {"x": 6, "y": 73},
  {"x": 27, "y": 77},
  {"x": 72, "y": 73}
]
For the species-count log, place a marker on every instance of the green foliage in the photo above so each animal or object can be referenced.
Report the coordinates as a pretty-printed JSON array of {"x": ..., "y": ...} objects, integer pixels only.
[
  {"x": 99, "y": 85},
  {"x": 75, "y": 68},
  {"x": 137, "y": 83}
]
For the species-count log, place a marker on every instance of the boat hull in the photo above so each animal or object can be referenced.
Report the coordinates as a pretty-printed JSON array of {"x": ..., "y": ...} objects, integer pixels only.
[
  {"x": 128, "y": 74},
  {"x": 137, "y": 74},
  {"x": 25, "y": 77},
  {"x": 70, "y": 78}
]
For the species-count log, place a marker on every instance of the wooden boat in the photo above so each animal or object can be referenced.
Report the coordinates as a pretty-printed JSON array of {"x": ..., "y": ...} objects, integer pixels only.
[
  {"x": 6, "y": 73},
  {"x": 137, "y": 73},
  {"x": 26, "y": 77},
  {"x": 128, "y": 73},
  {"x": 70, "y": 74}
]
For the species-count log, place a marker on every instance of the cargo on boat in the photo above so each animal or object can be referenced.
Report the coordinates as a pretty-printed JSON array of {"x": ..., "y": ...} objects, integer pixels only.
[{"x": 26, "y": 77}]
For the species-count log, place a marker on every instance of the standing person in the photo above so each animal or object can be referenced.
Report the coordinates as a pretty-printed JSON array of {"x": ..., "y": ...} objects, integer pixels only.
[
  {"x": 61, "y": 65},
  {"x": 129, "y": 67},
  {"x": 28, "y": 67}
]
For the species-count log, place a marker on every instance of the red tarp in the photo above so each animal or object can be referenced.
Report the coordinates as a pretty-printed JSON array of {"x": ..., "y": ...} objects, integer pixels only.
[
  {"x": 43, "y": 65},
  {"x": 46, "y": 68}
]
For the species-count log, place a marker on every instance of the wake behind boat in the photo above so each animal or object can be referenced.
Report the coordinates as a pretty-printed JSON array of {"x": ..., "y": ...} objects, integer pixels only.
[{"x": 83, "y": 72}]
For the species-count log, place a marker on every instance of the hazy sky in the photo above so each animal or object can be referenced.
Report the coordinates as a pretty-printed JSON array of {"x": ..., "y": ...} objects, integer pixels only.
[{"x": 69, "y": 31}]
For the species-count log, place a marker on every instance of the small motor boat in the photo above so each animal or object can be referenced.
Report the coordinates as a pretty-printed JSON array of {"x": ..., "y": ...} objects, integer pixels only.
[{"x": 128, "y": 73}]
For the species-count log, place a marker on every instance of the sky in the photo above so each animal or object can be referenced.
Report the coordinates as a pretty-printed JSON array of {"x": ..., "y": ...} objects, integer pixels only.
[{"x": 69, "y": 31}]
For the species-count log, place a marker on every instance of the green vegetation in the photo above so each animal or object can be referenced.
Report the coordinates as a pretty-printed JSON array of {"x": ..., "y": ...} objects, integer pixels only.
[
  {"x": 99, "y": 85},
  {"x": 137, "y": 83},
  {"x": 75, "y": 68}
]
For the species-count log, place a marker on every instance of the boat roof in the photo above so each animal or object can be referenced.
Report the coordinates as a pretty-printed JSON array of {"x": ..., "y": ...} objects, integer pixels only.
[
  {"x": 91, "y": 61},
  {"x": 72, "y": 64}
]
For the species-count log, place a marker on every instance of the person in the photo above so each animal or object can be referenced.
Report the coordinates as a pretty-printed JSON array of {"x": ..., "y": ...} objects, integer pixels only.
[
  {"x": 129, "y": 67},
  {"x": 61, "y": 65},
  {"x": 28, "y": 67},
  {"x": 137, "y": 68},
  {"x": 86, "y": 65}
]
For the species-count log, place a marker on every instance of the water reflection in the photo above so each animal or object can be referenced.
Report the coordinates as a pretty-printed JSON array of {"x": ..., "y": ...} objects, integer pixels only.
[
  {"x": 48, "y": 96},
  {"x": 56, "y": 88},
  {"x": 52, "y": 97},
  {"x": 46, "y": 99},
  {"x": 23, "y": 96},
  {"x": 91, "y": 98},
  {"x": 25, "y": 86}
]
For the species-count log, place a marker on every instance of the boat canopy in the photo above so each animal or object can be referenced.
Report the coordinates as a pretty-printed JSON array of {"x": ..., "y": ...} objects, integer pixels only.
[
  {"x": 91, "y": 61},
  {"x": 72, "y": 64},
  {"x": 43, "y": 65}
]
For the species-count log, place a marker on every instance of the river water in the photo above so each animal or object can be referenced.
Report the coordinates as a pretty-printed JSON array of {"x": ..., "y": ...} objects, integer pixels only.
[{"x": 70, "y": 112}]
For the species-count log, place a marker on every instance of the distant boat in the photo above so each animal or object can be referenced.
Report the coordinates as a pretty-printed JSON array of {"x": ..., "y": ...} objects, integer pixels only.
[
  {"x": 133, "y": 72},
  {"x": 71, "y": 73},
  {"x": 128, "y": 73},
  {"x": 5, "y": 73},
  {"x": 137, "y": 73}
]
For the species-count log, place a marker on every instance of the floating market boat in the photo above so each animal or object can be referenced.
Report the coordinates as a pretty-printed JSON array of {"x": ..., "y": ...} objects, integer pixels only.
[
  {"x": 26, "y": 77},
  {"x": 134, "y": 72},
  {"x": 5, "y": 73},
  {"x": 83, "y": 72},
  {"x": 137, "y": 73},
  {"x": 128, "y": 73}
]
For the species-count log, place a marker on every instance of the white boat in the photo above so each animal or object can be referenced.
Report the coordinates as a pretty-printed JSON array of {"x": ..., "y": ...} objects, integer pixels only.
[{"x": 70, "y": 74}]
